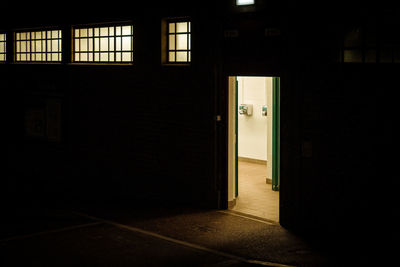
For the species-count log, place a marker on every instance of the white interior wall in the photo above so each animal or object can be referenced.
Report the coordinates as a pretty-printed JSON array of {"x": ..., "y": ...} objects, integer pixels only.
[{"x": 253, "y": 130}]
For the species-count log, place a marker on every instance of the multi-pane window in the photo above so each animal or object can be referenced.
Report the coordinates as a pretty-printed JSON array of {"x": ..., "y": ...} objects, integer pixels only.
[
  {"x": 3, "y": 47},
  {"x": 179, "y": 42},
  {"x": 37, "y": 46},
  {"x": 103, "y": 44}
]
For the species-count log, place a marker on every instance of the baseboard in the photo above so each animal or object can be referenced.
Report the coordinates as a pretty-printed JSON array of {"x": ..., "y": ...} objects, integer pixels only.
[
  {"x": 231, "y": 203},
  {"x": 259, "y": 161}
]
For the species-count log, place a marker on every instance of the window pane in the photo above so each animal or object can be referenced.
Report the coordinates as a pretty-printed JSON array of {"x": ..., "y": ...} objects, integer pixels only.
[
  {"x": 83, "y": 56},
  {"x": 118, "y": 43},
  {"x": 126, "y": 56},
  {"x": 118, "y": 30},
  {"x": 171, "y": 41},
  {"x": 83, "y": 33},
  {"x": 55, "y": 46},
  {"x": 111, "y": 44},
  {"x": 96, "y": 44},
  {"x": 171, "y": 57},
  {"x": 23, "y": 47},
  {"x": 104, "y": 44},
  {"x": 181, "y": 27},
  {"x": 83, "y": 45},
  {"x": 126, "y": 43},
  {"x": 353, "y": 55},
  {"x": 181, "y": 41},
  {"x": 103, "y": 31},
  {"x": 181, "y": 56},
  {"x": 2, "y": 47},
  {"x": 90, "y": 43},
  {"x": 126, "y": 30},
  {"x": 103, "y": 56},
  {"x": 171, "y": 27},
  {"x": 77, "y": 48},
  {"x": 54, "y": 34},
  {"x": 38, "y": 46}
]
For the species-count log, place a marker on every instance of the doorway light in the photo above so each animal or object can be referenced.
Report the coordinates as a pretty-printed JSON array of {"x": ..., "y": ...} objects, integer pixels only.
[{"x": 244, "y": 2}]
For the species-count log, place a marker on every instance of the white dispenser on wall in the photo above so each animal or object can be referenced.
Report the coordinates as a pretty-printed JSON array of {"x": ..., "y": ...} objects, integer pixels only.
[{"x": 246, "y": 109}]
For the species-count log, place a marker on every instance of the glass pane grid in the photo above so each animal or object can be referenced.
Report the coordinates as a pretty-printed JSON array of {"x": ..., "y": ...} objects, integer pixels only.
[
  {"x": 179, "y": 42},
  {"x": 104, "y": 44},
  {"x": 3, "y": 48},
  {"x": 38, "y": 46}
]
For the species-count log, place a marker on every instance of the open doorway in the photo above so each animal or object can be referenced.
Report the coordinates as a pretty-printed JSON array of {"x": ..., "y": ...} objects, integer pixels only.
[{"x": 253, "y": 148}]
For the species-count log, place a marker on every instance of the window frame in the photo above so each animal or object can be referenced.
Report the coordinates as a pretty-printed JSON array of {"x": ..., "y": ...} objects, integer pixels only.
[
  {"x": 94, "y": 26},
  {"x": 46, "y": 39},
  {"x": 5, "y": 47},
  {"x": 167, "y": 34}
]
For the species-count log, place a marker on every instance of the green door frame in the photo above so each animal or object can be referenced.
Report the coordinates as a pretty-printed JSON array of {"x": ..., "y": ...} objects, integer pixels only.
[
  {"x": 275, "y": 134},
  {"x": 236, "y": 137}
]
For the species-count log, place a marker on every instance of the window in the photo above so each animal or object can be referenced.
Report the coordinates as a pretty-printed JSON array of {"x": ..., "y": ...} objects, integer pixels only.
[
  {"x": 103, "y": 44},
  {"x": 244, "y": 2},
  {"x": 179, "y": 42},
  {"x": 36, "y": 46},
  {"x": 2, "y": 47}
]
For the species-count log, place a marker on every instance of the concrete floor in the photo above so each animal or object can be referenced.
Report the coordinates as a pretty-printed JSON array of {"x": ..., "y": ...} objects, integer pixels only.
[
  {"x": 256, "y": 197},
  {"x": 34, "y": 236}
]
